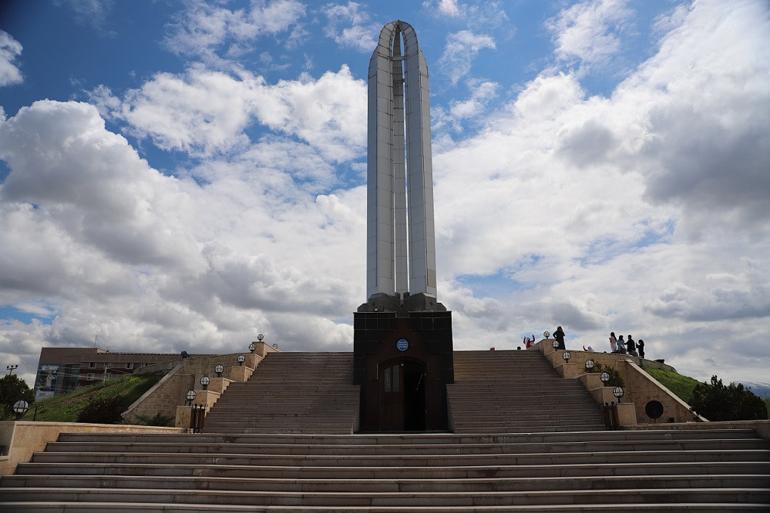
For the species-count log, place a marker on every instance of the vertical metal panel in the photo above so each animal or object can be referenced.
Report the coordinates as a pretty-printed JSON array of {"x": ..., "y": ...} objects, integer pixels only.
[{"x": 401, "y": 253}]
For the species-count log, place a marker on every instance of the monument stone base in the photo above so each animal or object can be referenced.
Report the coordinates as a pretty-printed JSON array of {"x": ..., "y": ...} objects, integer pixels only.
[{"x": 403, "y": 361}]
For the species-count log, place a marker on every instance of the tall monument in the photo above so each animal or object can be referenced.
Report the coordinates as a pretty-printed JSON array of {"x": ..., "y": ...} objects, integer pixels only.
[
  {"x": 401, "y": 247},
  {"x": 402, "y": 336}
]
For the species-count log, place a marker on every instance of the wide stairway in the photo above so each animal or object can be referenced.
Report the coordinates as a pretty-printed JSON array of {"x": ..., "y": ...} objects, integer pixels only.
[
  {"x": 716, "y": 470},
  {"x": 517, "y": 392},
  {"x": 291, "y": 392}
]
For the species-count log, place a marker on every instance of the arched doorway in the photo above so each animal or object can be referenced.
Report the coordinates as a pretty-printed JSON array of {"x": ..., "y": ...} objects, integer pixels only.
[{"x": 402, "y": 395}]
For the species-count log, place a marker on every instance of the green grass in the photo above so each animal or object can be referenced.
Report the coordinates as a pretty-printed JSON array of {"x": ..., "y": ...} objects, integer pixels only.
[
  {"x": 67, "y": 407},
  {"x": 680, "y": 385}
]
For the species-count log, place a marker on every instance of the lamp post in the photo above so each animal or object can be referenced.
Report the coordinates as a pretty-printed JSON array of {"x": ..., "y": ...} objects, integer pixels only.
[
  {"x": 20, "y": 407},
  {"x": 241, "y": 359},
  {"x": 260, "y": 337},
  {"x": 205, "y": 382},
  {"x": 618, "y": 393},
  {"x": 190, "y": 397},
  {"x": 590, "y": 365},
  {"x": 11, "y": 368},
  {"x": 546, "y": 334},
  {"x": 566, "y": 355},
  {"x": 605, "y": 377},
  {"x": 219, "y": 369},
  {"x": 252, "y": 347},
  {"x": 555, "y": 344}
]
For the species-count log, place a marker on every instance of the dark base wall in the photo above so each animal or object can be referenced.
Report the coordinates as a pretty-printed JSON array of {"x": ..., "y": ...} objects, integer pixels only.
[{"x": 430, "y": 342}]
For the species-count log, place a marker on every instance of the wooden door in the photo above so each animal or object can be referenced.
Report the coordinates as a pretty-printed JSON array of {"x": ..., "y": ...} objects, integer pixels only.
[
  {"x": 402, "y": 395},
  {"x": 392, "y": 397}
]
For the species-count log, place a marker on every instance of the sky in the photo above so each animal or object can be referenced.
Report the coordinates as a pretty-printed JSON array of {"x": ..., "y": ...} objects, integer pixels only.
[{"x": 184, "y": 175}]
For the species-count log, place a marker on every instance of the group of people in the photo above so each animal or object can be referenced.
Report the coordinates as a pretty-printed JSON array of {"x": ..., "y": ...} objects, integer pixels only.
[
  {"x": 558, "y": 335},
  {"x": 628, "y": 346},
  {"x": 617, "y": 344}
]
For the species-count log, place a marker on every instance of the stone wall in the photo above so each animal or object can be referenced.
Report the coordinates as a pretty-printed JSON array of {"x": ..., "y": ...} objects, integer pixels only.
[{"x": 642, "y": 388}]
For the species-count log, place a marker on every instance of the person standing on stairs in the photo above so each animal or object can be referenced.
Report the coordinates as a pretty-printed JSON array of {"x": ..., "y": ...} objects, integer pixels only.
[
  {"x": 559, "y": 336},
  {"x": 613, "y": 342},
  {"x": 621, "y": 345},
  {"x": 640, "y": 348}
]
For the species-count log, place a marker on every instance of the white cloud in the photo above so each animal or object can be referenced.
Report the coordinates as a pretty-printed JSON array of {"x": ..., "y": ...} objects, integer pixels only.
[
  {"x": 89, "y": 12},
  {"x": 460, "y": 50},
  {"x": 206, "y": 112},
  {"x": 478, "y": 15},
  {"x": 93, "y": 187},
  {"x": 482, "y": 93},
  {"x": 618, "y": 209},
  {"x": 350, "y": 25},
  {"x": 207, "y": 30},
  {"x": 154, "y": 263},
  {"x": 589, "y": 32},
  {"x": 10, "y": 49},
  {"x": 670, "y": 20},
  {"x": 444, "y": 7}
]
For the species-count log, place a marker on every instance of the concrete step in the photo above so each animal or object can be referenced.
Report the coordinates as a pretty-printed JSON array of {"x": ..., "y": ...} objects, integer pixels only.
[
  {"x": 223, "y": 469},
  {"x": 293, "y": 393},
  {"x": 388, "y": 485},
  {"x": 395, "y": 499},
  {"x": 496, "y": 392},
  {"x": 546, "y": 458},
  {"x": 421, "y": 438},
  {"x": 70, "y": 507},
  {"x": 396, "y": 449}
]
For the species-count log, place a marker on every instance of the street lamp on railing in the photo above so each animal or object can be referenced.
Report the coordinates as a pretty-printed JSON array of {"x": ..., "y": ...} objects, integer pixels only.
[{"x": 20, "y": 407}]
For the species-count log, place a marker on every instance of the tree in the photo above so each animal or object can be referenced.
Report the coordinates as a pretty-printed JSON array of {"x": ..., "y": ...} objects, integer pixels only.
[
  {"x": 12, "y": 389},
  {"x": 715, "y": 401}
]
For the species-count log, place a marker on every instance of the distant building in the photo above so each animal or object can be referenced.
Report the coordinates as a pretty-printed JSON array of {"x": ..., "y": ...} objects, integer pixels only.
[{"x": 62, "y": 369}]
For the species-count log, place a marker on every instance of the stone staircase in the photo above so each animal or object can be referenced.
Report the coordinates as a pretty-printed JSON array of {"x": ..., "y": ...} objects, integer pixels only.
[
  {"x": 291, "y": 392},
  {"x": 516, "y": 392},
  {"x": 715, "y": 470}
]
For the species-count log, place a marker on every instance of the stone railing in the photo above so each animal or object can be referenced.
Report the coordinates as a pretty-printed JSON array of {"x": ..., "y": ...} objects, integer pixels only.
[
  {"x": 639, "y": 387},
  {"x": 170, "y": 392}
]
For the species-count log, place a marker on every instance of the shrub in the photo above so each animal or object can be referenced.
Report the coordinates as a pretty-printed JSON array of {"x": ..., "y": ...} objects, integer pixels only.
[
  {"x": 156, "y": 420},
  {"x": 103, "y": 410},
  {"x": 615, "y": 379},
  {"x": 715, "y": 401}
]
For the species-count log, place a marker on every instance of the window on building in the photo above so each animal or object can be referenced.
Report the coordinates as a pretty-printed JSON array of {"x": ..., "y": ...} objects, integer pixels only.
[{"x": 91, "y": 364}]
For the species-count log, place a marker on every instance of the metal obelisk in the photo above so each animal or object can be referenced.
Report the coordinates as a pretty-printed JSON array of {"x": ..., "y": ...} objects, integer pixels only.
[{"x": 401, "y": 248}]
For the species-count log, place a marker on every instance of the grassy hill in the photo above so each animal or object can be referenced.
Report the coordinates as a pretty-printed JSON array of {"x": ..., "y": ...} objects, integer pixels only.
[
  {"x": 681, "y": 385},
  {"x": 67, "y": 407}
]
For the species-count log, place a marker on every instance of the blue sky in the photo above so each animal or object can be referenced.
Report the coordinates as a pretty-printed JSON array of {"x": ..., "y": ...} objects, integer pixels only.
[{"x": 182, "y": 175}]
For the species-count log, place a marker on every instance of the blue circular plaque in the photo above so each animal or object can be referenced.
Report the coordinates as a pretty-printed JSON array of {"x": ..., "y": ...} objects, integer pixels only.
[{"x": 402, "y": 344}]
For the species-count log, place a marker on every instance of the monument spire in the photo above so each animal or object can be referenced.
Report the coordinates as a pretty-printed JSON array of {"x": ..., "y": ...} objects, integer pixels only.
[{"x": 401, "y": 248}]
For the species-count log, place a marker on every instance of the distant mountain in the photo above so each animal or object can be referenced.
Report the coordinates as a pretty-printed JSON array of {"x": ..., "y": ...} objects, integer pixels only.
[{"x": 760, "y": 389}]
